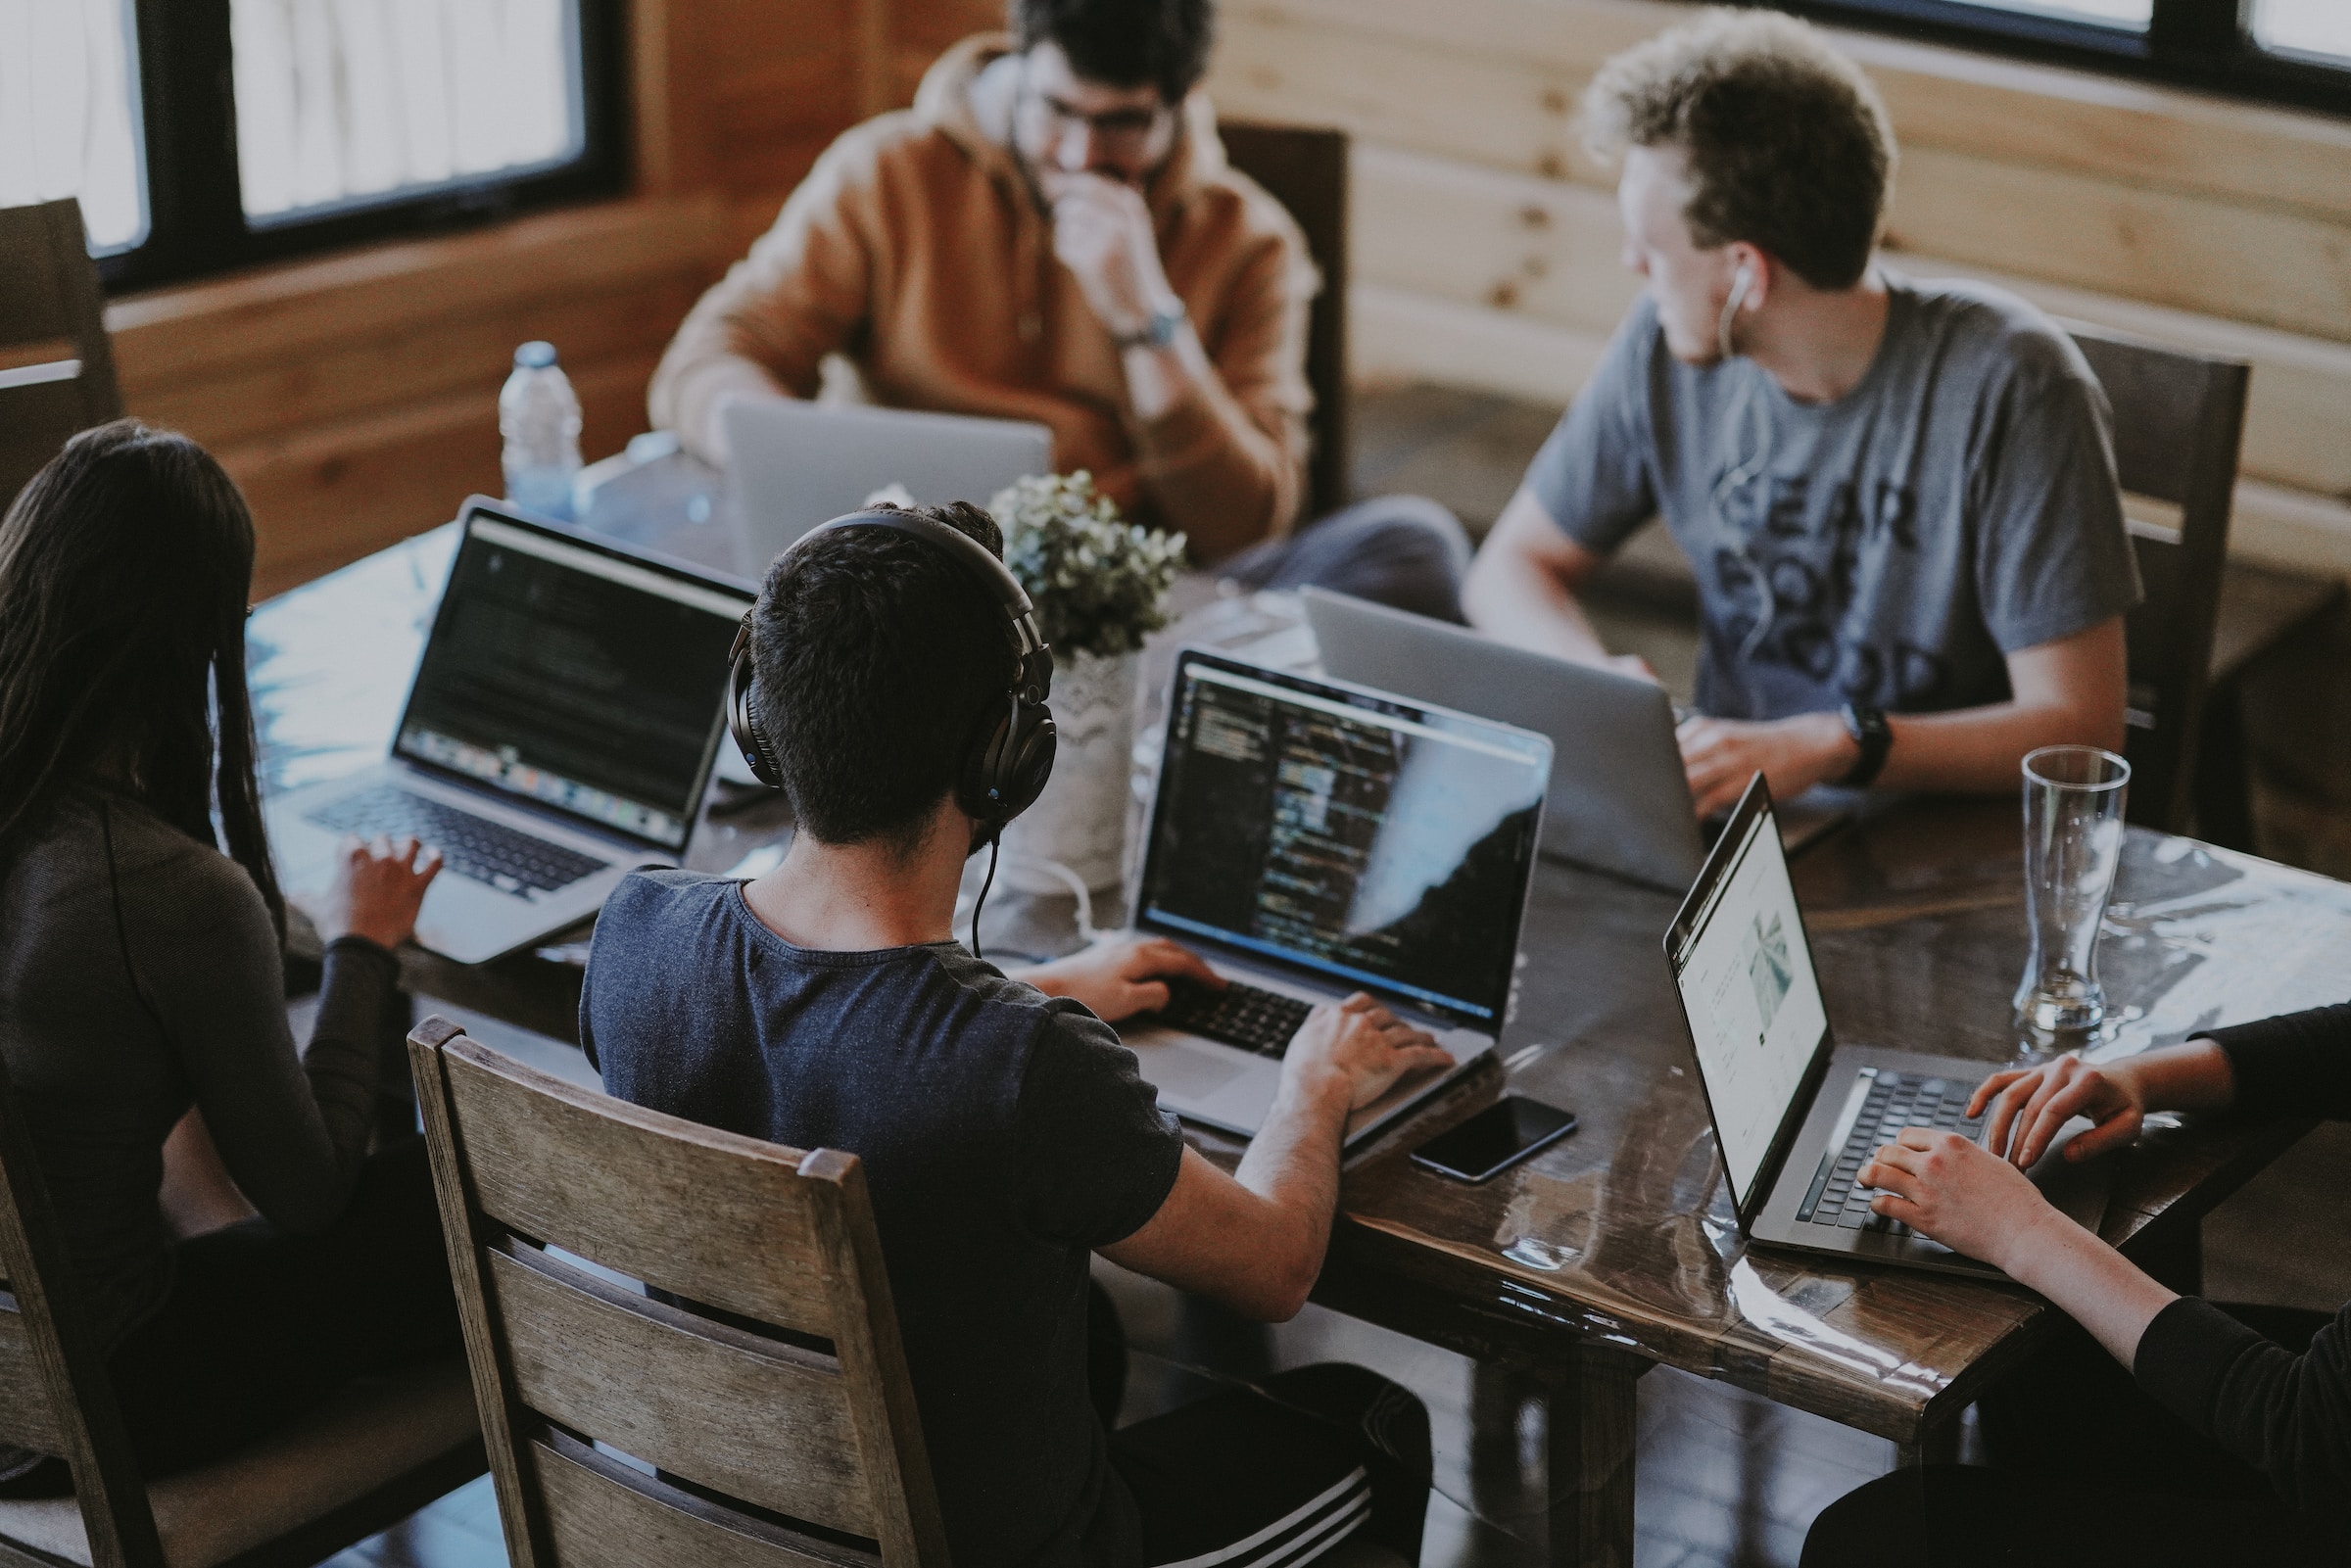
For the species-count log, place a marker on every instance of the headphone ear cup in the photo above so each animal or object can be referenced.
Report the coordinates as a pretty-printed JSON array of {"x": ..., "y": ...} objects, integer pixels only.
[
  {"x": 1033, "y": 745},
  {"x": 1008, "y": 766},
  {"x": 976, "y": 790},
  {"x": 743, "y": 713}
]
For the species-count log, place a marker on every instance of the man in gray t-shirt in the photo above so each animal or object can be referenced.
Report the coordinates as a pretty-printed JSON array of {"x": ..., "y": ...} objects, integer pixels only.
[{"x": 1898, "y": 499}]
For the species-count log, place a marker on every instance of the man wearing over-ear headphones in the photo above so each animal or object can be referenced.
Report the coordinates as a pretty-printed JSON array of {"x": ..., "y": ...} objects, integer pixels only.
[
  {"x": 891, "y": 681},
  {"x": 1898, "y": 499}
]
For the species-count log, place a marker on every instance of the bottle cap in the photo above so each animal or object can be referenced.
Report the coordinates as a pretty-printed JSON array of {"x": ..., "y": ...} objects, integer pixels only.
[{"x": 536, "y": 354}]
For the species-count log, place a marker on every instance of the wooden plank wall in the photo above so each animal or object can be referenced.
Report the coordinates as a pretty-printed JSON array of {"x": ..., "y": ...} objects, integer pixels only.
[{"x": 1486, "y": 243}]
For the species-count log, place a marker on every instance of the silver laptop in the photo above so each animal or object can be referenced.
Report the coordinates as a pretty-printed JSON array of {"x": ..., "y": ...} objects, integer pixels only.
[
  {"x": 1619, "y": 799},
  {"x": 1797, "y": 1115},
  {"x": 558, "y": 734},
  {"x": 793, "y": 464},
  {"x": 1311, "y": 839}
]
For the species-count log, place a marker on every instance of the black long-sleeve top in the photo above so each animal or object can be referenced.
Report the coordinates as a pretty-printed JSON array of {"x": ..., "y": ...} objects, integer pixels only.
[
  {"x": 139, "y": 976},
  {"x": 2289, "y": 1416}
]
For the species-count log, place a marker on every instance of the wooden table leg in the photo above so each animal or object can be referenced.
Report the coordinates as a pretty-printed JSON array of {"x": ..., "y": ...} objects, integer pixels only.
[
  {"x": 1937, "y": 1442},
  {"x": 1593, "y": 1427}
]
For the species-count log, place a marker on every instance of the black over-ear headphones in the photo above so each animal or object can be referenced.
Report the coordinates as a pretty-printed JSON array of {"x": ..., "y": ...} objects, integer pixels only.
[{"x": 1010, "y": 756}]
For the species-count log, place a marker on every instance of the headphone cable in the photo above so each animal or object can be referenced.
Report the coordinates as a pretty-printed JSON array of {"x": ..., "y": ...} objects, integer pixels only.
[{"x": 995, "y": 844}]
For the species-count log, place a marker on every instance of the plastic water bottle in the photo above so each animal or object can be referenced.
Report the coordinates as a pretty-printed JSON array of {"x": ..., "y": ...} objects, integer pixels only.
[{"x": 539, "y": 414}]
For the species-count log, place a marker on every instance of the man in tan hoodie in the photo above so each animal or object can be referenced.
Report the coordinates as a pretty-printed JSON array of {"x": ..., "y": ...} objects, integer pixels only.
[{"x": 1052, "y": 233}]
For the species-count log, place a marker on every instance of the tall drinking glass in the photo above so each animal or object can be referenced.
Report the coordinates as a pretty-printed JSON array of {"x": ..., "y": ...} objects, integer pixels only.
[{"x": 2073, "y": 842}]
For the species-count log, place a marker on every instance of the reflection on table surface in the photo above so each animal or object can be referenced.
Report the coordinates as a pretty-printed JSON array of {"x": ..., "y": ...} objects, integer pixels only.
[
  {"x": 1625, "y": 1233},
  {"x": 1621, "y": 1234}
]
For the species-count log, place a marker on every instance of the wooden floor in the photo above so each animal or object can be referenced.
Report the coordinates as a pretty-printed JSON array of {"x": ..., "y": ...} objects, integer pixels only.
[{"x": 1726, "y": 1477}]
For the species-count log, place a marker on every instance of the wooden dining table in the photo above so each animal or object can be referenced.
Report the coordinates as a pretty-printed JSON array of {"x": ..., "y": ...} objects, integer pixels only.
[{"x": 1615, "y": 1250}]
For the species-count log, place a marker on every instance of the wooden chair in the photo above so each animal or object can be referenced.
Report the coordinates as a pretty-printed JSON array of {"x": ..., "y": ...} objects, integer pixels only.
[
  {"x": 57, "y": 369},
  {"x": 373, "y": 1457},
  {"x": 2178, "y": 421},
  {"x": 775, "y": 1425},
  {"x": 1305, "y": 168}
]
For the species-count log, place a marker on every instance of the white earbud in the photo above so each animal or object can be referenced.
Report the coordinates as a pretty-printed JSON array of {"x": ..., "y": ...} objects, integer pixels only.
[{"x": 1741, "y": 284}]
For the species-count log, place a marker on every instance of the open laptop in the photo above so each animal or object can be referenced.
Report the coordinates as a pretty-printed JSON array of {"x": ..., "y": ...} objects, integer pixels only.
[
  {"x": 1619, "y": 799},
  {"x": 1797, "y": 1115},
  {"x": 558, "y": 734},
  {"x": 1313, "y": 840},
  {"x": 793, "y": 464}
]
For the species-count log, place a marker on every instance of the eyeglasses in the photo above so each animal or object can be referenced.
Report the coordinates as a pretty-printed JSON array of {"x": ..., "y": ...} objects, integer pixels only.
[{"x": 1126, "y": 129}]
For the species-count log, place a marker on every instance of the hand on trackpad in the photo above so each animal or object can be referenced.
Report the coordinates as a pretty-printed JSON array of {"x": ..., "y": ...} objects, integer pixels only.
[{"x": 2075, "y": 1188}]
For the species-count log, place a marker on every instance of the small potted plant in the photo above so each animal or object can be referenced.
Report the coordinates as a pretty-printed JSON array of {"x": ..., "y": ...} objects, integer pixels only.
[{"x": 1099, "y": 584}]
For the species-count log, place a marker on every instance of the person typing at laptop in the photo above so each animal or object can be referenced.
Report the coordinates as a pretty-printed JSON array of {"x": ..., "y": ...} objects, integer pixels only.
[
  {"x": 142, "y": 990},
  {"x": 1005, "y": 1133},
  {"x": 1052, "y": 233},
  {"x": 1898, "y": 497},
  {"x": 2197, "y": 1434}
]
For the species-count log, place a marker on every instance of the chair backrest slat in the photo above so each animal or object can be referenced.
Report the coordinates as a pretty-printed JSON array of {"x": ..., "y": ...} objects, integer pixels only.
[
  {"x": 603, "y": 1514},
  {"x": 758, "y": 1370},
  {"x": 1305, "y": 167},
  {"x": 2178, "y": 419},
  {"x": 761, "y": 1420},
  {"x": 26, "y": 1416},
  {"x": 57, "y": 369},
  {"x": 735, "y": 1227}
]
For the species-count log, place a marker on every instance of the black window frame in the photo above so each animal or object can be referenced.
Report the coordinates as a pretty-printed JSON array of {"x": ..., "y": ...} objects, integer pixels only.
[
  {"x": 2202, "y": 44},
  {"x": 196, "y": 224}
]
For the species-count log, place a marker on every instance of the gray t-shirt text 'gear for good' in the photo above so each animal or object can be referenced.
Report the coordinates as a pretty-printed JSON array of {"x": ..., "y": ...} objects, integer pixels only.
[{"x": 1888, "y": 548}]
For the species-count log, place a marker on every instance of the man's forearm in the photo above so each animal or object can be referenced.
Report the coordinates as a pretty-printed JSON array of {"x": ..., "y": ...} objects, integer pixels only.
[
  {"x": 1978, "y": 750},
  {"x": 1528, "y": 607},
  {"x": 1211, "y": 470},
  {"x": 1293, "y": 1165}
]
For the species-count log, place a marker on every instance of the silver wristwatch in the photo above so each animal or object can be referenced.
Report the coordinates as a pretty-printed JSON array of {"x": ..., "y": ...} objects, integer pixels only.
[{"x": 1159, "y": 331}]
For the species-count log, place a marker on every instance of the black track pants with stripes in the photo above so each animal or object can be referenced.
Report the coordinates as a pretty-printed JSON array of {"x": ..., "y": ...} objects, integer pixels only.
[{"x": 1274, "y": 1476}]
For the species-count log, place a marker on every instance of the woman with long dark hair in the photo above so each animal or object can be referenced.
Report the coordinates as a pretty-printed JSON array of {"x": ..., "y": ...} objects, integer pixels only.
[{"x": 141, "y": 975}]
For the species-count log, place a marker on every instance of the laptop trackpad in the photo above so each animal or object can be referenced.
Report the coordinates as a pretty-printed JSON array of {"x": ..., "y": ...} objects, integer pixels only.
[{"x": 1186, "y": 1074}]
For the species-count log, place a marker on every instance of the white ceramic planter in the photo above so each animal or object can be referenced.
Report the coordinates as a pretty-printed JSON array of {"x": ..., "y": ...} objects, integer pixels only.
[{"x": 1080, "y": 819}]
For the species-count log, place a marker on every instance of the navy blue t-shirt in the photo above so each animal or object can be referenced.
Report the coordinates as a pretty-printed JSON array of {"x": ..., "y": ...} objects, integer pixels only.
[{"x": 1005, "y": 1135}]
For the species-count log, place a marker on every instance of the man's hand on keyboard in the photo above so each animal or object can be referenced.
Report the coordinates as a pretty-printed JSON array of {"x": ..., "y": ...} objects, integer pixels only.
[
  {"x": 1356, "y": 1048},
  {"x": 378, "y": 886},
  {"x": 1122, "y": 977}
]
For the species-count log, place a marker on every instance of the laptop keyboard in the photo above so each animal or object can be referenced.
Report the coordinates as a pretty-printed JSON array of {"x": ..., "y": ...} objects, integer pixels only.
[
  {"x": 505, "y": 858},
  {"x": 1897, "y": 1100},
  {"x": 1243, "y": 1016}
]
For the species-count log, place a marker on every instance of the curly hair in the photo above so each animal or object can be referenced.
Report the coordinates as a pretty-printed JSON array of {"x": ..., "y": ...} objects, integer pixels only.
[
  {"x": 1789, "y": 145},
  {"x": 1124, "y": 43}
]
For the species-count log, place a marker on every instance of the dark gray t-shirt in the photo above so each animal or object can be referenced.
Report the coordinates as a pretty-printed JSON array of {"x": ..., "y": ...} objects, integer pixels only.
[
  {"x": 1004, "y": 1136},
  {"x": 1888, "y": 548}
]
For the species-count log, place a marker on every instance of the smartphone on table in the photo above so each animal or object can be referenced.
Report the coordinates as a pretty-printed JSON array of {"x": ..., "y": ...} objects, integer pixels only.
[{"x": 1509, "y": 1130}]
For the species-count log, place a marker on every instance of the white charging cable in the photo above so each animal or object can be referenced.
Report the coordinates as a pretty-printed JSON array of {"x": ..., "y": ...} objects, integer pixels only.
[{"x": 1087, "y": 936}]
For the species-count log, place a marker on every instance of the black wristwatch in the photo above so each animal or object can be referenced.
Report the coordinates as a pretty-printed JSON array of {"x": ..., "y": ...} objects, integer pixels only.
[{"x": 1874, "y": 735}]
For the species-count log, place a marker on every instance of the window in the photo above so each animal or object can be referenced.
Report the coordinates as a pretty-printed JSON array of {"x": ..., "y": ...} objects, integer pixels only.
[
  {"x": 202, "y": 137},
  {"x": 70, "y": 114},
  {"x": 2133, "y": 14},
  {"x": 2316, "y": 29},
  {"x": 2288, "y": 51}
]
